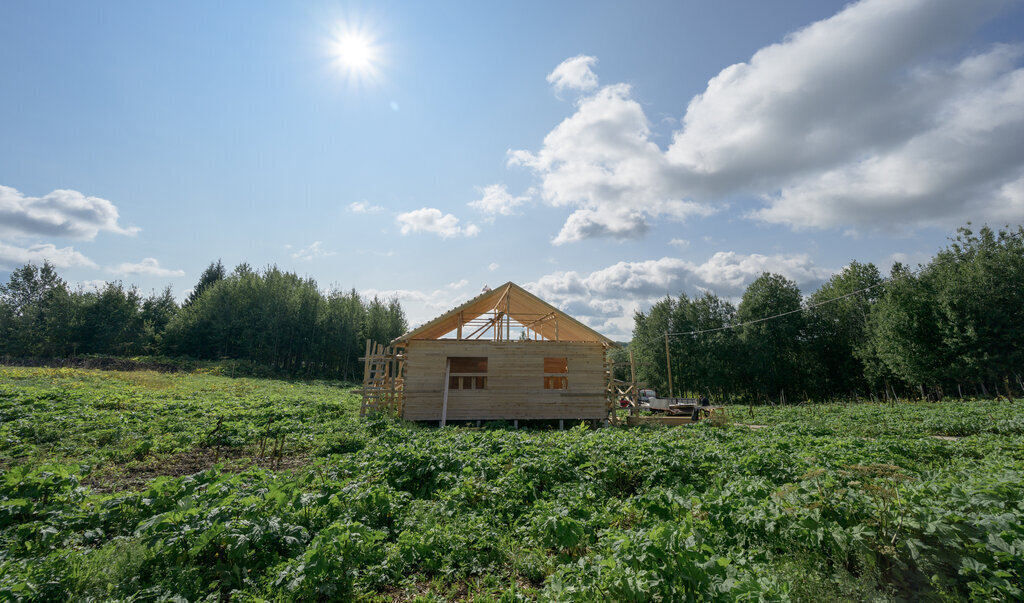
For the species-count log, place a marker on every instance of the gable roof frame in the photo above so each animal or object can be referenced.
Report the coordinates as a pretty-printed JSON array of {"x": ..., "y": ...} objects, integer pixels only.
[{"x": 519, "y": 304}]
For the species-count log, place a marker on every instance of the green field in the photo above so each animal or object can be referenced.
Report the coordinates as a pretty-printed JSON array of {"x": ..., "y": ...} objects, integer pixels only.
[{"x": 148, "y": 486}]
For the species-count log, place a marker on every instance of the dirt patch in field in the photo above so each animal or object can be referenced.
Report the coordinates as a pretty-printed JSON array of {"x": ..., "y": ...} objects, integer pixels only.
[
  {"x": 133, "y": 476},
  {"x": 946, "y": 438}
]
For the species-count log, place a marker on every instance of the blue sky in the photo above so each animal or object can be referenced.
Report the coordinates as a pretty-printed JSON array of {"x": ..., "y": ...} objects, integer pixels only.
[{"x": 603, "y": 154}]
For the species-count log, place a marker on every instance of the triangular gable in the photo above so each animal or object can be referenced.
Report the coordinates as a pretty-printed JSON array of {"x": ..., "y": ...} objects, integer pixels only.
[{"x": 522, "y": 306}]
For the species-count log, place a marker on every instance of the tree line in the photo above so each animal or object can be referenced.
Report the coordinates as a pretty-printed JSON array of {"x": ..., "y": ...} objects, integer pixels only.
[
  {"x": 955, "y": 326},
  {"x": 272, "y": 319}
]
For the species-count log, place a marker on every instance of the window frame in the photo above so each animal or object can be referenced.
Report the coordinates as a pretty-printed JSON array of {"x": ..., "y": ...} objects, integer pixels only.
[
  {"x": 472, "y": 379},
  {"x": 558, "y": 379}
]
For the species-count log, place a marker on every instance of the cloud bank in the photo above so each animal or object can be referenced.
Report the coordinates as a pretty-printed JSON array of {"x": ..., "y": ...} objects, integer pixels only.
[
  {"x": 65, "y": 257},
  {"x": 607, "y": 298},
  {"x": 876, "y": 118},
  {"x": 61, "y": 213}
]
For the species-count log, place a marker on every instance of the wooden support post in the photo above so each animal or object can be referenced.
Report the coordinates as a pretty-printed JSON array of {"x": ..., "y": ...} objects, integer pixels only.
[
  {"x": 668, "y": 365},
  {"x": 515, "y": 423},
  {"x": 613, "y": 398},
  {"x": 635, "y": 401},
  {"x": 444, "y": 403},
  {"x": 366, "y": 379},
  {"x": 458, "y": 333},
  {"x": 478, "y": 422},
  {"x": 392, "y": 373},
  {"x": 561, "y": 424}
]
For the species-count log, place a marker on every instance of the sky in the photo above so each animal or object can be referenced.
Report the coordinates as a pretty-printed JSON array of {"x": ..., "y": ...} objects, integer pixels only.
[{"x": 601, "y": 154}]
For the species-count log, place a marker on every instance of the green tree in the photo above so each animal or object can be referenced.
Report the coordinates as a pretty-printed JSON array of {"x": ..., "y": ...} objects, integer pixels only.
[
  {"x": 959, "y": 320},
  {"x": 110, "y": 320},
  {"x": 156, "y": 312},
  {"x": 715, "y": 347},
  {"x": 979, "y": 294},
  {"x": 838, "y": 330},
  {"x": 385, "y": 320},
  {"x": 904, "y": 329},
  {"x": 27, "y": 297},
  {"x": 213, "y": 274},
  {"x": 280, "y": 321},
  {"x": 649, "y": 344},
  {"x": 772, "y": 350}
]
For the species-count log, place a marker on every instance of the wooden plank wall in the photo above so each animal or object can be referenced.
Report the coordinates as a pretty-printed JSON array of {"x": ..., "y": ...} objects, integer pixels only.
[{"x": 515, "y": 381}]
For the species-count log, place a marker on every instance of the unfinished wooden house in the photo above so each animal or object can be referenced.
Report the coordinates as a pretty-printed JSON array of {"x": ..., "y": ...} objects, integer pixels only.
[{"x": 504, "y": 355}]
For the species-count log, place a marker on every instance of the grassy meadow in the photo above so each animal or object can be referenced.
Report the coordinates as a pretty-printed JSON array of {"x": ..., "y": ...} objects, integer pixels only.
[{"x": 143, "y": 486}]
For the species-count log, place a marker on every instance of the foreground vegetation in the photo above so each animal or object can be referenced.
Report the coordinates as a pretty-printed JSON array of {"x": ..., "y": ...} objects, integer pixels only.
[{"x": 147, "y": 486}]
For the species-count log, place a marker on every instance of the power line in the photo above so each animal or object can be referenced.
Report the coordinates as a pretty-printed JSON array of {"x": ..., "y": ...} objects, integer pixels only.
[{"x": 800, "y": 309}]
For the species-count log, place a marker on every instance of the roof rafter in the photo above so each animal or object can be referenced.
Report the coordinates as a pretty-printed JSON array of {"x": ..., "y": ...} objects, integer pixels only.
[{"x": 517, "y": 303}]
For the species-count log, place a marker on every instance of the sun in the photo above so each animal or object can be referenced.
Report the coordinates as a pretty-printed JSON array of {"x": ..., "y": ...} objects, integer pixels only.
[{"x": 356, "y": 53}]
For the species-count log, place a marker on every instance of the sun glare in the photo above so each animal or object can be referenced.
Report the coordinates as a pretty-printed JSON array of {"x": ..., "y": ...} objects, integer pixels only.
[{"x": 355, "y": 53}]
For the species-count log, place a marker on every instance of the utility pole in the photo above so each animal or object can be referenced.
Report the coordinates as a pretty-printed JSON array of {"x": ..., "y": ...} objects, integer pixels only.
[{"x": 668, "y": 365}]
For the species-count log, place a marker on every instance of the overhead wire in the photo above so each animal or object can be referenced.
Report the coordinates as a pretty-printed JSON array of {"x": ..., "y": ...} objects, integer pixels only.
[{"x": 802, "y": 308}]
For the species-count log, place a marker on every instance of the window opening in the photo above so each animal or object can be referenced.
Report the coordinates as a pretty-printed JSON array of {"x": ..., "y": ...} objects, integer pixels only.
[
  {"x": 555, "y": 371},
  {"x": 467, "y": 372}
]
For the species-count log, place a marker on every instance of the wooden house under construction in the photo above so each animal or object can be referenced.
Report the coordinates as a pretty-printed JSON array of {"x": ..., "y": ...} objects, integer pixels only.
[{"x": 504, "y": 355}]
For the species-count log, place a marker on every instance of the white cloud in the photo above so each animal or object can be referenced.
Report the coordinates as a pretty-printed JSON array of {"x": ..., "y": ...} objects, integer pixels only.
[
  {"x": 729, "y": 272},
  {"x": 61, "y": 213},
  {"x": 458, "y": 285},
  {"x": 497, "y": 200},
  {"x": 680, "y": 243},
  {"x": 314, "y": 251},
  {"x": 601, "y": 161},
  {"x": 147, "y": 267},
  {"x": 858, "y": 121},
  {"x": 957, "y": 167},
  {"x": 611, "y": 295},
  {"x": 493, "y": 266},
  {"x": 421, "y": 306},
  {"x": 1009, "y": 201},
  {"x": 912, "y": 260},
  {"x": 574, "y": 73},
  {"x": 429, "y": 219},
  {"x": 65, "y": 257},
  {"x": 91, "y": 285},
  {"x": 362, "y": 207}
]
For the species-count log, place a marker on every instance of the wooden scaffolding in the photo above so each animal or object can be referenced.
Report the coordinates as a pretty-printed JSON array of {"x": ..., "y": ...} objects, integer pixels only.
[
  {"x": 618, "y": 389},
  {"x": 383, "y": 379}
]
